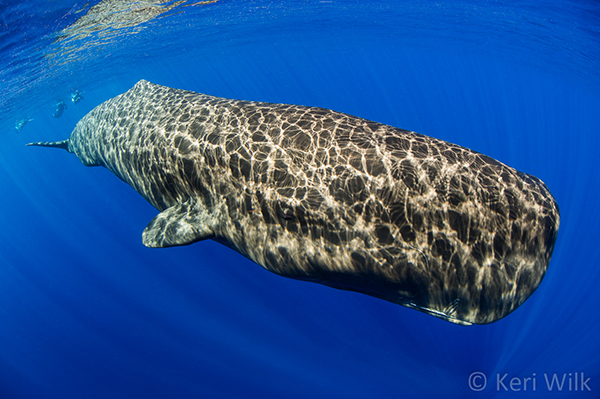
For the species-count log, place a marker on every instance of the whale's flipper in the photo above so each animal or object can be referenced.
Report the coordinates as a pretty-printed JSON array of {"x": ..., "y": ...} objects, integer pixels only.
[
  {"x": 181, "y": 224},
  {"x": 64, "y": 144}
]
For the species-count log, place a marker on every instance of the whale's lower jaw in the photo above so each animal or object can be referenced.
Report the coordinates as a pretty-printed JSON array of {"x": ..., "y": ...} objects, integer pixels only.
[
  {"x": 457, "y": 309},
  {"x": 398, "y": 298},
  {"x": 412, "y": 278}
]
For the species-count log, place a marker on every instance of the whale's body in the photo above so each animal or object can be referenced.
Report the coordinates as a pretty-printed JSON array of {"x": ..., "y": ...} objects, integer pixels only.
[{"x": 319, "y": 195}]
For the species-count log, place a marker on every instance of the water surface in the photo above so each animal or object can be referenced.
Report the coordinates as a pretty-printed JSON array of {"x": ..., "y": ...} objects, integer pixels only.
[{"x": 86, "y": 311}]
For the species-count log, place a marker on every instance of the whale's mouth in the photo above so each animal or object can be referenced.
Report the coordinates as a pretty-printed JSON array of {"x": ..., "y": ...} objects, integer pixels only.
[{"x": 448, "y": 314}]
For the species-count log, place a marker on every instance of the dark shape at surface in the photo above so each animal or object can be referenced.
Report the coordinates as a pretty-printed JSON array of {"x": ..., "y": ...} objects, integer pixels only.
[
  {"x": 318, "y": 195},
  {"x": 110, "y": 20}
]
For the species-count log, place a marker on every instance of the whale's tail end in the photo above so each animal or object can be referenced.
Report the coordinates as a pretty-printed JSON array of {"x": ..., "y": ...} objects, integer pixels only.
[{"x": 64, "y": 144}]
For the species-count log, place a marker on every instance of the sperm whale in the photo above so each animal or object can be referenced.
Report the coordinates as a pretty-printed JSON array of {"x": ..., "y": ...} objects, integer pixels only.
[{"x": 322, "y": 196}]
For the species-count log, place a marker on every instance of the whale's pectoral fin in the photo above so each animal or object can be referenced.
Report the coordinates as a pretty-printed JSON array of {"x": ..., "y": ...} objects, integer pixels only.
[{"x": 181, "y": 224}]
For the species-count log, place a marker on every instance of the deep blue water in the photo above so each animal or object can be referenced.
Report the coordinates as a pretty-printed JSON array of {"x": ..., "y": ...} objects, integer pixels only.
[{"x": 86, "y": 311}]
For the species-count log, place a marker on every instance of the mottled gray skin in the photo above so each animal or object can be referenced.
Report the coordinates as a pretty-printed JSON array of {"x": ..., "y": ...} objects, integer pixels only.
[{"x": 322, "y": 196}]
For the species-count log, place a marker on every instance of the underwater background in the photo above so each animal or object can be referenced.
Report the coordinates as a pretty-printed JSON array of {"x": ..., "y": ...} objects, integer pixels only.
[{"x": 86, "y": 311}]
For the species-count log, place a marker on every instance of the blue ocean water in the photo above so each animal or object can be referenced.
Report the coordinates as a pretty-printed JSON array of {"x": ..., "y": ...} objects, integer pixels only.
[{"x": 86, "y": 311}]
